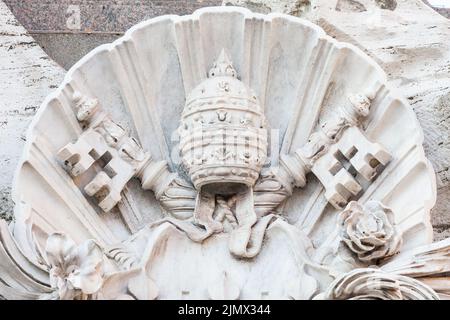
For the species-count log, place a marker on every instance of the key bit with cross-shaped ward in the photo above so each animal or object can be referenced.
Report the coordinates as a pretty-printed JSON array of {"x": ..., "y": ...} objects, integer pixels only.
[
  {"x": 352, "y": 156},
  {"x": 107, "y": 185}
]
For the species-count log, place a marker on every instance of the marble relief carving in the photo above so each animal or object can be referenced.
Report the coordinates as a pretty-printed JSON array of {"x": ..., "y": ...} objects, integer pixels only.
[
  {"x": 369, "y": 231},
  {"x": 199, "y": 163}
]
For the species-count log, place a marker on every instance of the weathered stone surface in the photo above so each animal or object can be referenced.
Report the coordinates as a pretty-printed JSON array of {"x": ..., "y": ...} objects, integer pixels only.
[
  {"x": 104, "y": 21},
  {"x": 97, "y": 16},
  {"x": 350, "y": 5},
  {"x": 6, "y": 205},
  {"x": 387, "y": 4},
  {"x": 67, "y": 48},
  {"x": 27, "y": 76},
  {"x": 441, "y": 10},
  {"x": 67, "y": 29},
  {"x": 293, "y": 7}
]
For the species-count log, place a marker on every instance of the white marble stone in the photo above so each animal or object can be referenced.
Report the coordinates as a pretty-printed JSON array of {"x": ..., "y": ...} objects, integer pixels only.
[
  {"x": 27, "y": 76},
  {"x": 309, "y": 170}
]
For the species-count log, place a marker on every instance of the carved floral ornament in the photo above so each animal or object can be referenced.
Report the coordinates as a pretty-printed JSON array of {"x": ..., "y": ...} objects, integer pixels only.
[
  {"x": 190, "y": 171},
  {"x": 369, "y": 231}
]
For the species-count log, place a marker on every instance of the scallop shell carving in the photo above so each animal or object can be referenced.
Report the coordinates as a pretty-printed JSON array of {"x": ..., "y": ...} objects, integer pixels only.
[{"x": 300, "y": 75}]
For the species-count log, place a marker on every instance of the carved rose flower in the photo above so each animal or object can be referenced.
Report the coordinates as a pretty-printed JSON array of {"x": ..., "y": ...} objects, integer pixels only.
[
  {"x": 369, "y": 230},
  {"x": 75, "y": 271}
]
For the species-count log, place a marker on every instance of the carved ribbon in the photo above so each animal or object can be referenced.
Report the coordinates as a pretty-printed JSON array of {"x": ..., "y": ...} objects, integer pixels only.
[
  {"x": 247, "y": 237},
  {"x": 202, "y": 225}
]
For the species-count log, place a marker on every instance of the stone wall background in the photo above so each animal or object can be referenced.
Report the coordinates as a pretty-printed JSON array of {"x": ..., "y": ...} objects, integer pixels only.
[
  {"x": 54, "y": 23},
  {"x": 27, "y": 76},
  {"x": 406, "y": 37}
]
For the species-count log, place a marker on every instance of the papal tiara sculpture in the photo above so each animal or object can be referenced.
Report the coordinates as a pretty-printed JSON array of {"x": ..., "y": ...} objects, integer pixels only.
[{"x": 224, "y": 155}]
